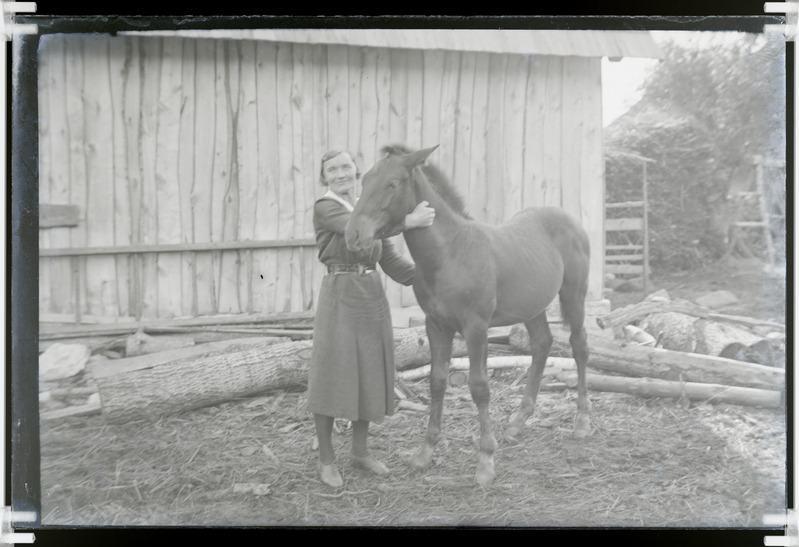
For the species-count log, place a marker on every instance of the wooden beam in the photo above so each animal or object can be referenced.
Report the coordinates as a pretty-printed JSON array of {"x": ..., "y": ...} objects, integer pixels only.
[
  {"x": 179, "y": 247},
  {"x": 58, "y": 216}
]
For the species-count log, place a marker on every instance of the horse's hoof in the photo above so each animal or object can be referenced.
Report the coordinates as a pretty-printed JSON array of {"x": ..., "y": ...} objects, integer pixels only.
[
  {"x": 582, "y": 430},
  {"x": 485, "y": 477}
]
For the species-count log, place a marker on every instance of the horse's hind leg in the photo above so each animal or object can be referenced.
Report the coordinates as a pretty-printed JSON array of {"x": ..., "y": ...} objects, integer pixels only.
[
  {"x": 572, "y": 302},
  {"x": 540, "y": 344},
  {"x": 440, "y": 338}
]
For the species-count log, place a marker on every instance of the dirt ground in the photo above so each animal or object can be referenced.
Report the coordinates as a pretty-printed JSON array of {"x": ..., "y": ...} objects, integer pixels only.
[{"x": 251, "y": 462}]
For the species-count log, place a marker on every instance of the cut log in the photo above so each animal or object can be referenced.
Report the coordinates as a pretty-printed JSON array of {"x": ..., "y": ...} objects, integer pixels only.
[
  {"x": 650, "y": 387},
  {"x": 203, "y": 380},
  {"x": 682, "y": 332},
  {"x": 113, "y": 367},
  {"x": 554, "y": 365},
  {"x": 412, "y": 349},
  {"x": 634, "y": 312},
  {"x": 661, "y": 363},
  {"x": 172, "y": 381}
]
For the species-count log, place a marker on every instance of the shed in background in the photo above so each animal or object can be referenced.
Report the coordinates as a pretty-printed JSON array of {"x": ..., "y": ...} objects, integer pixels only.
[{"x": 192, "y": 156}]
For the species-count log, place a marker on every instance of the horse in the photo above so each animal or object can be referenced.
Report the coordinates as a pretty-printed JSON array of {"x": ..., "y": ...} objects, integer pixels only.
[{"x": 471, "y": 276}]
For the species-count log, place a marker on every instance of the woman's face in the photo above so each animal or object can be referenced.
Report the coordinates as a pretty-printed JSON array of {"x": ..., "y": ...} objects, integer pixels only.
[{"x": 339, "y": 173}]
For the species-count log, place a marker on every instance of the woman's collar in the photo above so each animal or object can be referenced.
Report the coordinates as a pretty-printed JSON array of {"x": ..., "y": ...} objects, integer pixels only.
[{"x": 334, "y": 196}]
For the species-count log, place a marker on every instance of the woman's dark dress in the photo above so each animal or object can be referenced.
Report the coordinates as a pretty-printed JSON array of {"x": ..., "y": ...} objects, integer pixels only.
[{"x": 352, "y": 365}]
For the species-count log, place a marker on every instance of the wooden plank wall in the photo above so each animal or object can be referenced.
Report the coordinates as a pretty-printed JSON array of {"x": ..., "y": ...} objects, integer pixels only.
[{"x": 174, "y": 140}]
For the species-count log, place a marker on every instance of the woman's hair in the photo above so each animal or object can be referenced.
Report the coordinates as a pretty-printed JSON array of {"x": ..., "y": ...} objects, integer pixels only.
[{"x": 329, "y": 155}]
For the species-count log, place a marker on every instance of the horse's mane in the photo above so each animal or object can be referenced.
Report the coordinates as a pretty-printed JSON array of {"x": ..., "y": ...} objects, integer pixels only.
[{"x": 440, "y": 183}]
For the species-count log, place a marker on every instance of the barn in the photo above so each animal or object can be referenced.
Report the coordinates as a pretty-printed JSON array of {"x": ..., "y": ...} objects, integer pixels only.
[{"x": 178, "y": 169}]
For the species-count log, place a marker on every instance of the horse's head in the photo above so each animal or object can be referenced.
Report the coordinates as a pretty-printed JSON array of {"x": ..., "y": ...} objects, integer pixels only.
[{"x": 387, "y": 197}]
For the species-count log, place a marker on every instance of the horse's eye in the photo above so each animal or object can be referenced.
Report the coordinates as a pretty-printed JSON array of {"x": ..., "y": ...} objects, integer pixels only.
[{"x": 392, "y": 184}]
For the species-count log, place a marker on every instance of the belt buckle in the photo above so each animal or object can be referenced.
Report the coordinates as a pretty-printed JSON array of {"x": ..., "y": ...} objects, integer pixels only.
[{"x": 361, "y": 269}]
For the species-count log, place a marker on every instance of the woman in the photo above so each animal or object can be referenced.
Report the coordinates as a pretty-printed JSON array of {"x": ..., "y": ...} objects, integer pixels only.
[{"x": 352, "y": 365}]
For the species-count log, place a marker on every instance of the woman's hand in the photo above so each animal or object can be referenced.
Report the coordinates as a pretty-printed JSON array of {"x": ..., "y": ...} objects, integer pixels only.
[{"x": 421, "y": 217}]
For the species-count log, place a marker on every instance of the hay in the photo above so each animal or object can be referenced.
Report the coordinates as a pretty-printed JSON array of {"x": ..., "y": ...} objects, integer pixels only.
[{"x": 647, "y": 463}]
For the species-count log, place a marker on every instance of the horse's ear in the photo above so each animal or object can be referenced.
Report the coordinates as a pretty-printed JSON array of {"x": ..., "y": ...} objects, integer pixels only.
[{"x": 417, "y": 158}]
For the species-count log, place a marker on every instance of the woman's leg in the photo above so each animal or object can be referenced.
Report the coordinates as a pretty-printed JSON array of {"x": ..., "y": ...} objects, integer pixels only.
[
  {"x": 360, "y": 453},
  {"x": 324, "y": 434},
  {"x": 326, "y": 466}
]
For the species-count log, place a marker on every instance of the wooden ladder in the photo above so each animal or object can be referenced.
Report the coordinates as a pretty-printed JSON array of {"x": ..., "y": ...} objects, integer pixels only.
[
  {"x": 764, "y": 222},
  {"x": 631, "y": 258}
]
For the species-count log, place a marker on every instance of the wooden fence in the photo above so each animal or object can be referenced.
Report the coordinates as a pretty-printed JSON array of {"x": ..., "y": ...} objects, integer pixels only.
[{"x": 194, "y": 162}]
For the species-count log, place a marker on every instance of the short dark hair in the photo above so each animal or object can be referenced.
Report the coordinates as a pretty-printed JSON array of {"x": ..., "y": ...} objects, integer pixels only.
[{"x": 329, "y": 155}]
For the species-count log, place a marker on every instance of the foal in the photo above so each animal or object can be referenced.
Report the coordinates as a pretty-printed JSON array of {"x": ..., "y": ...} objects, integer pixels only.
[{"x": 471, "y": 276}]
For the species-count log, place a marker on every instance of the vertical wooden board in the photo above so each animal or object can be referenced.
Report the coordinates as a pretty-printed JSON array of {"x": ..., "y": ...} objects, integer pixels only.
[
  {"x": 593, "y": 176},
  {"x": 532, "y": 193},
  {"x": 476, "y": 196},
  {"x": 319, "y": 143},
  {"x": 167, "y": 185},
  {"x": 204, "y": 168},
  {"x": 101, "y": 275},
  {"x": 369, "y": 100},
  {"x": 186, "y": 176},
  {"x": 464, "y": 113},
  {"x": 450, "y": 87},
  {"x": 225, "y": 181},
  {"x": 398, "y": 106},
  {"x": 353, "y": 108},
  {"x": 450, "y": 76},
  {"x": 513, "y": 125},
  {"x": 230, "y": 262},
  {"x": 302, "y": 127},
  {"x": 286, "y": 175},
  {"x": 56, "y": 146},
  {"x": 265, "y": 262},
  {"x": 572, "y": 134},
  {"x": 117, "y": 49},
  {"x": 76, "y": 161},
  {"x": 495, "y": 140},
  {"x": 308, "y": 170},
  {"x": 383, "y": 95},
  {"x": 150, "y": 60},
  {"x": 415, "y": 99},
  {"x": 553, "y": 109},
  {"x": 132, "y": 73},
  {"x": 248, "y": 170},
  {"x": 432, "y": 108},
  {"x": 338, "y": 102}
]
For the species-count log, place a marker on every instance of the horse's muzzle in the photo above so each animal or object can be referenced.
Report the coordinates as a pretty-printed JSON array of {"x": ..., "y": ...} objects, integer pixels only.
[{"x": 359, "y": 235}]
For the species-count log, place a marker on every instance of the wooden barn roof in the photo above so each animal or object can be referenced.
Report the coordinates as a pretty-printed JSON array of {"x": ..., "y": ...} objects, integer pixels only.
[{"x": 581, "y": 43}]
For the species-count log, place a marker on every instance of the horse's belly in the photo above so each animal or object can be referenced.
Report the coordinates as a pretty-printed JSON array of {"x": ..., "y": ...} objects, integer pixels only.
[{"x": 521, "y": 298}]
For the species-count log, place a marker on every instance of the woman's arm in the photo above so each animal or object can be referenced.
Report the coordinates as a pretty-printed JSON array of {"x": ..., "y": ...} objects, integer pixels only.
[{"x": 396, "y": 266}]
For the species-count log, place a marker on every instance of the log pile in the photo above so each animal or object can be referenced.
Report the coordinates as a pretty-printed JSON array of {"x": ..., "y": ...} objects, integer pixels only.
[{"x": 163, "y": 372}]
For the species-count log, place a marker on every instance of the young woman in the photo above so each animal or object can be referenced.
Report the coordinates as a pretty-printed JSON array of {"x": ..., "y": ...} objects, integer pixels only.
[{"x": 352, "y": 365}]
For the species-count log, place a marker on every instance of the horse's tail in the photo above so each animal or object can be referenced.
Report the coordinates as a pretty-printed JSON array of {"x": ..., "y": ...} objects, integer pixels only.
[{"x": 576, "y": 254}]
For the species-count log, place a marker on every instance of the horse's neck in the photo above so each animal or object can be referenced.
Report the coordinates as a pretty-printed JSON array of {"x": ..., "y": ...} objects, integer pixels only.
[{"x": 427, "y": 245}]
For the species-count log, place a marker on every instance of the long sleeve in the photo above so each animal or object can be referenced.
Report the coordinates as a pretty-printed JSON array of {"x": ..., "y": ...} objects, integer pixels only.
[{"x": 396, "y": 266}]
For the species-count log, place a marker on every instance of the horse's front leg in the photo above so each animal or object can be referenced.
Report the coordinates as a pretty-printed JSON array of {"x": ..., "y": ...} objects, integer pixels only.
[
  {"x": 440, "y": 338},
  {"x": 477, "y": 345}
]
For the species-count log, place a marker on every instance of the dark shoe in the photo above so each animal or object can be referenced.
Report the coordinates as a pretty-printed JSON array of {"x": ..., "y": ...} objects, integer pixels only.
[
  {"x": 329, "y": 474},
  {"x": 369, "y": 463}
]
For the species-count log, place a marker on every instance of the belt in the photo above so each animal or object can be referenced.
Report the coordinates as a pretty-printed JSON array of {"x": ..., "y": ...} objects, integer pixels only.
[{"x": 359, "y": 269}]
